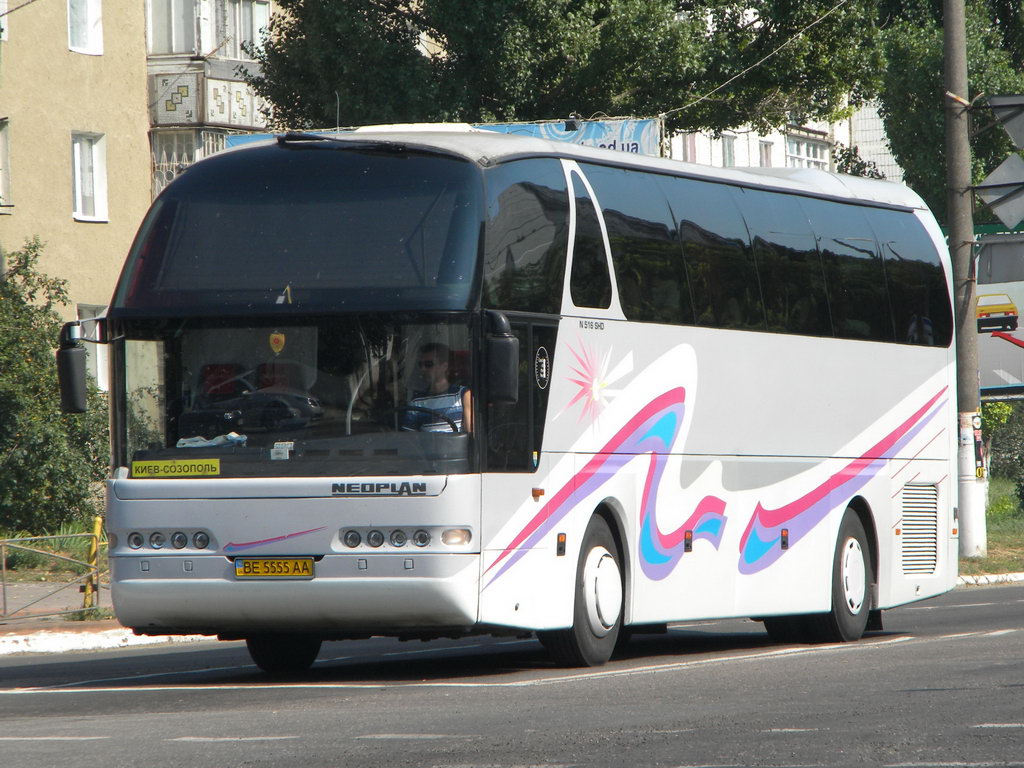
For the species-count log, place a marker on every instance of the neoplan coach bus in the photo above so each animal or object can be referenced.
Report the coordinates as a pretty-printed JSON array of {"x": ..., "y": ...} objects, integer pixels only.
[{"x": 438, "y": 383}]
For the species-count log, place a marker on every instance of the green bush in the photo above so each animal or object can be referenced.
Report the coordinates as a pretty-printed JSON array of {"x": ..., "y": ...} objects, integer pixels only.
[
  {"x": 50, "y": 463},
  {"x": 1003, "y": 501}
]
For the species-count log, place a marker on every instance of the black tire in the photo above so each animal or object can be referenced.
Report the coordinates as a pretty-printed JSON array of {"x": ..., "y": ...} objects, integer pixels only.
[
  {"x": 852, "y": 578},
  {"x": 597, "y": 611},
  {"x": 283, "y": 654}
]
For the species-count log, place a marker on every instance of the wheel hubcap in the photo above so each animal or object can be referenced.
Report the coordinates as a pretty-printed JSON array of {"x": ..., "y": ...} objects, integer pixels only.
[
  {"x": 602, "y": 587},
  {"x": 853, "y": 575}
]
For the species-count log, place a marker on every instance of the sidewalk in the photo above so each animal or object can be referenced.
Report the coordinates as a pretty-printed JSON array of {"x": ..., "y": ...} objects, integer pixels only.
[{"x": 58, "y": 635}]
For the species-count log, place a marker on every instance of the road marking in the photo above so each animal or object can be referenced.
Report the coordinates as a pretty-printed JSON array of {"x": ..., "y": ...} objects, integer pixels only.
[
  {"x": 791, "y": 730},
  {"x": 998, "y": 725},
  {"x": 946, "y": 608},
  {"x": 53, "y": 738},
  {"x": 215, "y": 739},
  {"x": 1000, "y": 632},
  {"x": 318, "y": 662},
  {"x": 411, "y": 736},
  {"x": 549, "y": 680},
  {"x": 954, "y": 765},
  {"x": 556, "y": 679}
]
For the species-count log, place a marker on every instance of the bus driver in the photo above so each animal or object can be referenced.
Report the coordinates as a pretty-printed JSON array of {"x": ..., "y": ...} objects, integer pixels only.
[{"x": 435, "y": 396}]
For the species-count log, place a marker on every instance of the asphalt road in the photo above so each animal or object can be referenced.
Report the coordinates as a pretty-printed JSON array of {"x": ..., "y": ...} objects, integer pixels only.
[{"x": 942, "y": 685}]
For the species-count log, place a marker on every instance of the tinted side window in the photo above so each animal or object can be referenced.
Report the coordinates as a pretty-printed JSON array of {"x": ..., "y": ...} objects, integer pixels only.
[
  {"x": 645, "y": 252},
  {"x": 526, "y": 236},
  {"x": 716, "y": 254},
  {"x": 921, "y": 308},
  {"x": 787, "y": 260},
  {"x": 515, "y": 433},
  {"x": 854, "y": 272},
  {"x": 590, "y": 285}
]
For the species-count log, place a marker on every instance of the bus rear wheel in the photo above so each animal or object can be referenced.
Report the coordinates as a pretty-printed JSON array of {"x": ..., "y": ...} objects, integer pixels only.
[
  {"x": 283, "y": 654},
  {"x": 597, "y": 612}
]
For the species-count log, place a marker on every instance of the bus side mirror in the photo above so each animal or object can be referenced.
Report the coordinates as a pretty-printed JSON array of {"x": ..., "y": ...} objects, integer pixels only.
[
  {"x": 71, "y": 369},
  {"x": 502, "y": 361}
]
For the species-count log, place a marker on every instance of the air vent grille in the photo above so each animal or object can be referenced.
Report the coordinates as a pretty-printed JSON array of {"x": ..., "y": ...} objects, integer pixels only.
[{"x": 920, "y": 528}]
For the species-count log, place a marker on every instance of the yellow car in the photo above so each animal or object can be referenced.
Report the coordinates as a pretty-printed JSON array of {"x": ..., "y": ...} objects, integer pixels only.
[{"x": 996, "y": 310}]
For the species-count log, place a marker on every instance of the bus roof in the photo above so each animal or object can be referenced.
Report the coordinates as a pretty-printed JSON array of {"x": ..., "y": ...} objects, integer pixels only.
[{"x": 487, "y": 148}]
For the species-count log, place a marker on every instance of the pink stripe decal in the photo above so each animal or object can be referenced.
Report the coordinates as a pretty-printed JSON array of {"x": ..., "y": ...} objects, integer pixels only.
[
  {"x": 653, "y": 430},
  {"x": 233, "y": 547},
  {"x": 758, "y": 544}
]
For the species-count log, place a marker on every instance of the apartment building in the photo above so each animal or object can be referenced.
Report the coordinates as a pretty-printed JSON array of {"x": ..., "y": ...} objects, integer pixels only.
[
  {"x": 74, "y": 154},
  {"x": 197, "y": 95},
  {"x": 810, "y": 145}
]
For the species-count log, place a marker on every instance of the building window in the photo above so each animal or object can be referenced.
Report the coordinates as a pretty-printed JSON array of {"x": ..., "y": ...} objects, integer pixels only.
[
  {"x": 240, "y": 23},
  {"x": 89, "y": 176},
  {"x": 728, "y": 151},
  {"x": 172, "y": 26},
  {"x": 806, "y": 153},
  {"x": 85, "y": 26},
  {"x": 3, "y": 20},
  {"x": 5, "y": 172},
  {"x": 765, "y": 153}
]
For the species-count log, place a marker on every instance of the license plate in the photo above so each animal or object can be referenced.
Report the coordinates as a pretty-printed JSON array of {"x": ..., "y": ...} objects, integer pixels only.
[{"x": 274, "y": 568}]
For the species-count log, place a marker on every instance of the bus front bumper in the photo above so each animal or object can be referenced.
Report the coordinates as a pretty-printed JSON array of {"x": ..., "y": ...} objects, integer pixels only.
[{"x": 347, "y": 596}]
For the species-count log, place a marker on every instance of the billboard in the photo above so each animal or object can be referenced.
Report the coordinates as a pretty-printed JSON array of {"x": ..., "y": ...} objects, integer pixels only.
[
  {"x": 642, "y": 137},
  {"x": 1000, "y": 290}
]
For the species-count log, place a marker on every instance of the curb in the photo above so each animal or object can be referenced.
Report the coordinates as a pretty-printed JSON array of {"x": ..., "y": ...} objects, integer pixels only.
[
  {"x": 60, "y": 641},
  {"x": 985, "y": 580}
]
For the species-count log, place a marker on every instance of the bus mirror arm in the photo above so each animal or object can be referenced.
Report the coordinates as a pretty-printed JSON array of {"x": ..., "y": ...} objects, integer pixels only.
[{"x": 502, "y": 361}]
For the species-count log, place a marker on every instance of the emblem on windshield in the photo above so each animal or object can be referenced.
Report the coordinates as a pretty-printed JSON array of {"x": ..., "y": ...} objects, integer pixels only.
[{"x": 277, "y": 342}]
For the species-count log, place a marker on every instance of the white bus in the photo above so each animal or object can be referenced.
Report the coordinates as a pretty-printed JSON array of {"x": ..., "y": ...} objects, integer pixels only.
[{"x": 435, "y": 384}]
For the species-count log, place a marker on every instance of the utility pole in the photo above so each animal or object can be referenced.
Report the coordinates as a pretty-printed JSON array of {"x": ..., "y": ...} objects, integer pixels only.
[{"x": 972, "y": 484}]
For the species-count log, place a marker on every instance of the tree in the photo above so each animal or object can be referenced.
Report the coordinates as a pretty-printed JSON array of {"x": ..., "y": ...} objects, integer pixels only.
[
  {"x": 912, "y": 94},
  {"x": 352, "y": 62},
  {"x": 50, "y": 462},
  {"x": 848, "y": 160}
]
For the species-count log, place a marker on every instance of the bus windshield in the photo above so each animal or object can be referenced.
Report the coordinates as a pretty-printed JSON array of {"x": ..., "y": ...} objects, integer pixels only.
[
  {"x": 361, "y": 395},
  {"x": 312, "y": 228}
]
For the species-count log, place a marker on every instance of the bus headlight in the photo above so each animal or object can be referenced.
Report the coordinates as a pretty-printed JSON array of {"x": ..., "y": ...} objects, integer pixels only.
[
  {"x": 398, "y": 538},
  {"x": 375, "y": 538},
  {"x": 157, "y": 540},
  {"x": 179, "y": 540},
  {"x": 455, "y": 537},
  {"x": 421, "y": 538},
  {"x": 201, "y": 540},
  {"x": 135, "y": 540},
  {"x": 352, "y": 539}
]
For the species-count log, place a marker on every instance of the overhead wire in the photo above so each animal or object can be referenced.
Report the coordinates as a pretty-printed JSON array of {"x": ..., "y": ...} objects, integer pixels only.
[{"x": 758, "y": 63}]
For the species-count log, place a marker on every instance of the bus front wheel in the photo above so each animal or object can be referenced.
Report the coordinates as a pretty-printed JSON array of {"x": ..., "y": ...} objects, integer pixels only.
[
  {"x": 283, "y": 654},
  {"x": 597, "y": 611}
]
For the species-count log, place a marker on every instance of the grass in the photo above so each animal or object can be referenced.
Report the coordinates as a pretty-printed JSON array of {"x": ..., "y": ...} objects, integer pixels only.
[
  {"x": 1004, "y": 521},
  {"x": 38, "y": 564}
]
